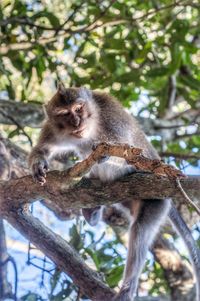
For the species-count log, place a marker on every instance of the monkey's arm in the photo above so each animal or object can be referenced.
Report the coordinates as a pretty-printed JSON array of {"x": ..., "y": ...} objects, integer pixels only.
[{"x": 40, "y": 155}]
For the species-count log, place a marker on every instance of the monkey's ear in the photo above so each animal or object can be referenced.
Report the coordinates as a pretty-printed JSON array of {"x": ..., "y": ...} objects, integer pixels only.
[
  {"x": 61, "y": 88},
  {"x": 85, "y": 93}
]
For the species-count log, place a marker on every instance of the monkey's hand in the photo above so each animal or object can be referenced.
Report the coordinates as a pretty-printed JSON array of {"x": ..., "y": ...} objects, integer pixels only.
[{"x": 39, "y": 167}]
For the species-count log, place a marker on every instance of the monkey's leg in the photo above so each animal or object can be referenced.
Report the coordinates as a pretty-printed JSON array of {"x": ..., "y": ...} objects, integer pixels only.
[{"x": 142, "y": 233}]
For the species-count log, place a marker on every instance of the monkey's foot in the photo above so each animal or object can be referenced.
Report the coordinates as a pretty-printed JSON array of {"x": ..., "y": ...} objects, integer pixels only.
[
  {"x": 92, "y": 215},
  {"x": 124, "y": 293}
]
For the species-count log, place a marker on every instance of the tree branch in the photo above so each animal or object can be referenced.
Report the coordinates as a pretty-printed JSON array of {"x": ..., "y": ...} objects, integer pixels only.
[
  {"x": 61, "y": 253},
  {"x": 65, "y": 187},
  {"x": 180, "y": 156},
  {"x": 66, "y": 191},
  {"x": 18, "y": 168}
]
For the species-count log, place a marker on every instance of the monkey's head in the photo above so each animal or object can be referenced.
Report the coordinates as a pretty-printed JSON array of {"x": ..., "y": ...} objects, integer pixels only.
[{"x": 71, "y": 111}]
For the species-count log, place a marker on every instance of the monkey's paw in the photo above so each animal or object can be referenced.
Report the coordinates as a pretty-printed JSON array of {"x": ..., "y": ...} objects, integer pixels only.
[
  {"x": 39, "y": 169},
  {"x": 92, "y": 215},
  {"x": 124, "y": 293}
]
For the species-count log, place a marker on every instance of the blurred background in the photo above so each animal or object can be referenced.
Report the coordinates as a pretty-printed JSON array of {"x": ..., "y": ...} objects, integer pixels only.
[{"x": 146, "y": 54}]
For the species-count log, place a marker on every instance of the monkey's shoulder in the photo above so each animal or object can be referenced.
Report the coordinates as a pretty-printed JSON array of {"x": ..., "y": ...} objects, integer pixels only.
[{"x": 48, "y": 133}]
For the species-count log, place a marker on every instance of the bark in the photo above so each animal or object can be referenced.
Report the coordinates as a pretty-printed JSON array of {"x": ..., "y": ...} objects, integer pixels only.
[{"x": 66, "y": 192}]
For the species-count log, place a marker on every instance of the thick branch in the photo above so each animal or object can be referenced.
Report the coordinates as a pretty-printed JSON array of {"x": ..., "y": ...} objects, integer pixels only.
[
  {"x": 61, "y": 253},
  {"x": 18, "y": 166},
  {"x": 58, "y": 187},
  {"x": 26, "y": 114}
]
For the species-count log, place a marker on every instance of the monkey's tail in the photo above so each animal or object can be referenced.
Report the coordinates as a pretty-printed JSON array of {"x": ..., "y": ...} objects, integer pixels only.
[{"x": 194, "y": 251}]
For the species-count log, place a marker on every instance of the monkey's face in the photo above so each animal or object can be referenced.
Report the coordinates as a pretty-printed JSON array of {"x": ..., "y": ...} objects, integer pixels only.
[
  {"x": 72, "y": 119},
  {"x": 70, "y": 111}
]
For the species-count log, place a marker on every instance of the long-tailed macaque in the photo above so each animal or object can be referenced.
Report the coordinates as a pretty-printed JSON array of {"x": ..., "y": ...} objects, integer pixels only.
[{"x": 78, "y": 118}]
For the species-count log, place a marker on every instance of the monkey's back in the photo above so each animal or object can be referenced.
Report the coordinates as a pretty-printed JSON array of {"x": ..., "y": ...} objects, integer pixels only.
[{"x": 118, "y": 126}]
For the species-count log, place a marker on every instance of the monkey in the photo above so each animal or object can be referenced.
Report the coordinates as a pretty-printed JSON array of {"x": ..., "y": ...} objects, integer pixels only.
[{"x": 77, "y": 119}]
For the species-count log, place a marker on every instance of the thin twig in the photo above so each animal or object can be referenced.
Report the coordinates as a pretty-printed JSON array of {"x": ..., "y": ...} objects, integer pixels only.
[
  {"x": 17, "y": 124},
  {"x": 186, "y": 197},
  {"x": 180, "y": 156}
]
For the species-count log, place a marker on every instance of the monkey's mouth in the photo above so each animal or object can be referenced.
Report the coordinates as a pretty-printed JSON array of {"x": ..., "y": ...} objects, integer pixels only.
[{"x": 78, "y": 133}]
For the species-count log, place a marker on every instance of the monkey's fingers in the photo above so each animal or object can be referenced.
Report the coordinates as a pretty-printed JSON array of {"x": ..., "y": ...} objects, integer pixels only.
[
  {"x": 45, "y": 165},
  {"x": 41, "y": 180},
  {"x": 39, "y": 172}
]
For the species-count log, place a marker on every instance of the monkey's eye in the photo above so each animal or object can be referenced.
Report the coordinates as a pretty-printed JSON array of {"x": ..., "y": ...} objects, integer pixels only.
[
  {"x": 65, "y": 114},
  {"x": 61, "y": 112}
]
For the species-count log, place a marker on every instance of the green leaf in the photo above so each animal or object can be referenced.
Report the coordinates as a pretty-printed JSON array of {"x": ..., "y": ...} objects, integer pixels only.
[
  {"x": 91, "y": 60},
  {"x": 129, "y": 77},
  {"x": 109, "y": 60},
  {"x": 93, "y": 255},
  {"x": 112, "y": 43},
  {"x": 14, "y": 133},
  {"x": 53, "y": 19},
  {"x": 190, "y": 81},
  {"x": 76, "y": 240},
  {"x": 115, "y": 276},
  {"x": 159, "y": 71},
  {"x": 176, "y": 55}
]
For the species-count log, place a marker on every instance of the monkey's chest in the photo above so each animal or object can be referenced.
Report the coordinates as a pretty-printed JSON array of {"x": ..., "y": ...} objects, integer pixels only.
[{"x": 114, "y": 168}]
